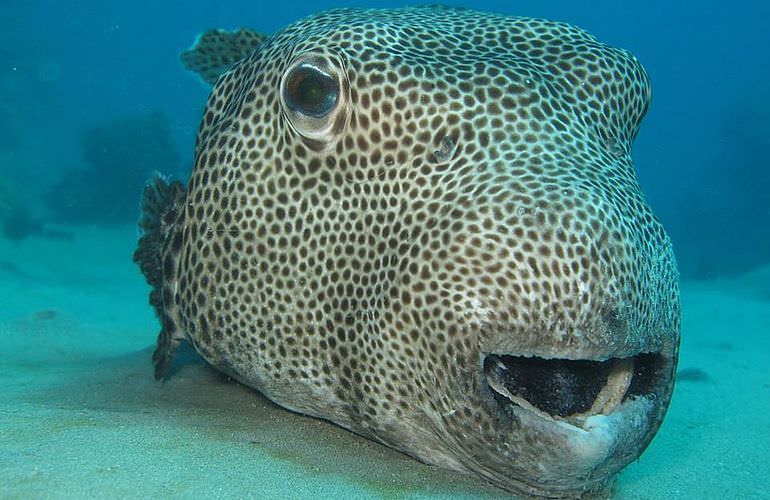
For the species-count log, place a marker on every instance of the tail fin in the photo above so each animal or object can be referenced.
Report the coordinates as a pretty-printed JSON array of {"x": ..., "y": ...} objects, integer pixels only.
[{"x": 162, "y": 201}]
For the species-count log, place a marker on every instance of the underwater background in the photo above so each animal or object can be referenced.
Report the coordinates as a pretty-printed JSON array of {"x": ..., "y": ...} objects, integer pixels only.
[{"x": 93, "y": 98}]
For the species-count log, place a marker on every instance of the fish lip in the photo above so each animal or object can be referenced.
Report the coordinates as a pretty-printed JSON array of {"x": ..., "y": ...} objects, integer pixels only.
[
  {"x": 584, "y": 459},
  {"x": 573, "y": 455}
]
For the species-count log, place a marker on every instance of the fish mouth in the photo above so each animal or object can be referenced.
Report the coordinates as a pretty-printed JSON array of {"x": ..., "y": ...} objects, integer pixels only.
[{"x": 571, "y": 390}]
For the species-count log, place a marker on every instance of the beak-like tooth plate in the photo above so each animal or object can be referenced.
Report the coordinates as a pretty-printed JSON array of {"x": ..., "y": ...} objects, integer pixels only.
[{"x": 606, "y": 402}]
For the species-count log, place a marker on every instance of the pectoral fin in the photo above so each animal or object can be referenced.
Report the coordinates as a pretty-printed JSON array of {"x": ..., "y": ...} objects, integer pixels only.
[{"x": 157, "y": 254}]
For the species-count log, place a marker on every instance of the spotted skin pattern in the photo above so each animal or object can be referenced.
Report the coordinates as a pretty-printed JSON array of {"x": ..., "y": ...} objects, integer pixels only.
[{"x": 471, "y": 192}]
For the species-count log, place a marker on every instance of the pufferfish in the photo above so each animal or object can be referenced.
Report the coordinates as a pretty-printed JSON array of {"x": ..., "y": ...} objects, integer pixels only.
[{"x": 424, "y": 225}]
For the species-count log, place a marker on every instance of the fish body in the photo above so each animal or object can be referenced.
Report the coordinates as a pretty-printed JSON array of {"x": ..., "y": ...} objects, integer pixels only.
[{"x": 424, "y": 225}]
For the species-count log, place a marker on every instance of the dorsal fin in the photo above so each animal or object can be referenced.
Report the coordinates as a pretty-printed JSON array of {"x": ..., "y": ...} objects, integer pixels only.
[{"x": 215, "y": 51}]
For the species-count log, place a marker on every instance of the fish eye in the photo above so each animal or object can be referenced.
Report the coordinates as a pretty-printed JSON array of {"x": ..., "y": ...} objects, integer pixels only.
[
  {"x": 310, "y": 91},
  {"x": 315, "y": 98}
]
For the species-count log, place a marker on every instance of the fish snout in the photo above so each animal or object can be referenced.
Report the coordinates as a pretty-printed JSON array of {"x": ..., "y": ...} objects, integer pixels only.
[{"x": 579, "y": 336}]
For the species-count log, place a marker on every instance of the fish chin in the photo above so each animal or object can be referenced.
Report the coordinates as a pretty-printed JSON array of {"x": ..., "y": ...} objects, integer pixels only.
[
  {"x": 582, "y": 420},
  {"x": 585, "y": 457}
]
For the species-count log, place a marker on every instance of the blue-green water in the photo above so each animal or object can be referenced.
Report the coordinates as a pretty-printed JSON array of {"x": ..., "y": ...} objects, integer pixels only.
[
  {"x": 82, "y": 84},
  {"x": 701, "y": 154}
]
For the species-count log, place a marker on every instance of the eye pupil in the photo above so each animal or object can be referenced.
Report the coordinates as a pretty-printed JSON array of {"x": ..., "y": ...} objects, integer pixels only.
[{"x": 310, "y": 91}]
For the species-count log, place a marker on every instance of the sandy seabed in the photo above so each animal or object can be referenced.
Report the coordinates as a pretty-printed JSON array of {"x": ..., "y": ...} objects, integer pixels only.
[{"x": 81, "y": 415}]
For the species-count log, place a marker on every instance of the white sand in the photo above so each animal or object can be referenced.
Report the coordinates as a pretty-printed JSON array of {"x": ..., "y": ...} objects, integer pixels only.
[{"x": 80, "y": 414}]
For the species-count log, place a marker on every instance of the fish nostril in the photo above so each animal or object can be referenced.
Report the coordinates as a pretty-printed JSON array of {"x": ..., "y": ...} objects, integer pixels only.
[{"x": 613, "y": 320}]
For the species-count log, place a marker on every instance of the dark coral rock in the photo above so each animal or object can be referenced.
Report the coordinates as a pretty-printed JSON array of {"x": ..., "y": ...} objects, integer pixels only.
[
  {"x": 120, "y": 156},
  {"x": 721, "y": 225},
  {"x": 18, "y": 225}
]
